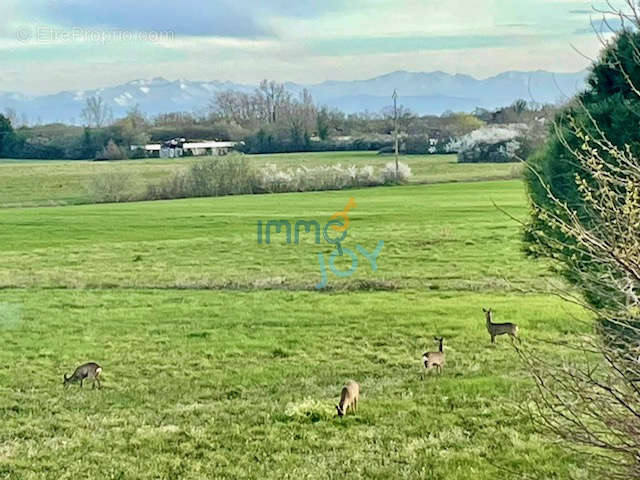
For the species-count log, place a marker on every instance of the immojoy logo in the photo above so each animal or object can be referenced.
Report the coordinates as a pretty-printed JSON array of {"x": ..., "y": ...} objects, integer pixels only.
[{"x": 338, "y": 222}]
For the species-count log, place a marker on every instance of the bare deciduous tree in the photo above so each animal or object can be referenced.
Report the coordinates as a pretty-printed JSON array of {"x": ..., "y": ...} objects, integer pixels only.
[
  {"x": 96, "y": 113},
  {"x": 239, "y": 107},
  {"x": 405, "y": 118},
  {"x": 273, "y": 97},
  {"x": 269, "y": 106}
]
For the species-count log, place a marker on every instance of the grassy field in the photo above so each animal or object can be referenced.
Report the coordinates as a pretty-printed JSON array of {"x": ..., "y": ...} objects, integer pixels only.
[
  {"x": 441, "y": 237},
  {"x": 222, "y": 360},
  {"x": 48, "y": 183}
]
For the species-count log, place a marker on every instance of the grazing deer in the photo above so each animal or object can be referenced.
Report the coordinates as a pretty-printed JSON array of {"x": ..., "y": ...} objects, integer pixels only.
[
  {"x": 348, "y": 398},
  {"x": 496, "y": 329},
  {"x": 88, "y": 371},
  {"x": 434, "y": 359}
]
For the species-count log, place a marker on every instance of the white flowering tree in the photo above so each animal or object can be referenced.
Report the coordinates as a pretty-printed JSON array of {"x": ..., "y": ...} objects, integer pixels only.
[{"x": 492, "y": 143}]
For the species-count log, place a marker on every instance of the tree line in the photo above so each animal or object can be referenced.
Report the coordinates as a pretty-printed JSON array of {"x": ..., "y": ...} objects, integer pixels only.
[{"x": 268, "y": 120}]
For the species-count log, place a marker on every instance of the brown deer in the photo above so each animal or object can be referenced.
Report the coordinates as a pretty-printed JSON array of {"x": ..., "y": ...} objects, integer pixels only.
[
  {"x": 89, "y": 371},
  {"x": 348, "y": 399},
  {"x": 496, "y": 329},
  {"x": 434, "y": 359}
]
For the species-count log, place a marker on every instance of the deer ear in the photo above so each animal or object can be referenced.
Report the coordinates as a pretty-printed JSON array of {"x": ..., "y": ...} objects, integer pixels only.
[{"x": 483, "y": 309}]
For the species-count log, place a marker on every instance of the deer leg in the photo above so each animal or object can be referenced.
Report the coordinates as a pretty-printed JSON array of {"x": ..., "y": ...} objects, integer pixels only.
[{"x": 493, "y": 339}]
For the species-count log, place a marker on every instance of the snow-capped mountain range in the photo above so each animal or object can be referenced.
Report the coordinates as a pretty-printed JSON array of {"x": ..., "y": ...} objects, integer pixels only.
[{"x": 421, "y": 92}]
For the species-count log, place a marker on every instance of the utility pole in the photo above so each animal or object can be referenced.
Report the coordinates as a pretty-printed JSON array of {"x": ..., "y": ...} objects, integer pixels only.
[{"x": 395, "y": 126}]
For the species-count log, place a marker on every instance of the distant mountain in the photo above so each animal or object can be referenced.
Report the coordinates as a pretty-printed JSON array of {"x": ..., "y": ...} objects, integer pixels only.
[
  {"x": 421, "y": 92},
  {"x": 435, "y": 92}
]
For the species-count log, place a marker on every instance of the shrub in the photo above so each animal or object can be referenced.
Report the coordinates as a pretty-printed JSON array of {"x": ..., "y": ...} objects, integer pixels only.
[
  {"x": 110, "y": 187},
  {"x": 418, "y": 144},
  {"x": 388, "y": 173},
  {"x": 138, "y": 153},
  {"x": 233, "y": 175},
  {"x": 304, "y": 179},
  {"x": 211, "y": 177},
  {"x": 111, "y": 152},
  {"x": 227, "y": 175},
  {"x": 273, "y": 180},
  {"x": 176, "y": 186}
]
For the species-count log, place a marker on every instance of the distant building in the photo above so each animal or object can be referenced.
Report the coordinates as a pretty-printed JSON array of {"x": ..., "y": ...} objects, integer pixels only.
[
  {"x": 209, "y": 147},
  {"x": 179, "y": 147}
]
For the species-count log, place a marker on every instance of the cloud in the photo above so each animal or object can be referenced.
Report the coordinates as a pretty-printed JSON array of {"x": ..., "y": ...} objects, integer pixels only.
[
  {"x": 220, "y": 18},
  {"x": 130, "y": 53},
  {"x": 301, "y": 9},
  {"x": 371, "y": 45},
  {"x": 226, "y": 18}
]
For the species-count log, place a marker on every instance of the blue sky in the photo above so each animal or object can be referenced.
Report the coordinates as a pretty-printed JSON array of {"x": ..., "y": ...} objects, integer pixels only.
[{"x": 52, "y": 45}]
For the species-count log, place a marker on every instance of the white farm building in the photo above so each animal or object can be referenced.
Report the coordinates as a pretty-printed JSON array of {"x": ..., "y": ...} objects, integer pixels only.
[{"x": 179, "y": 147}]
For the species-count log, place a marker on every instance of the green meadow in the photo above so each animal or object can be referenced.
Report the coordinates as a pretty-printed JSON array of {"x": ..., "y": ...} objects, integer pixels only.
[
  {"x": 221, "y": 358},
  {"x": 50, "y": 183}
]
